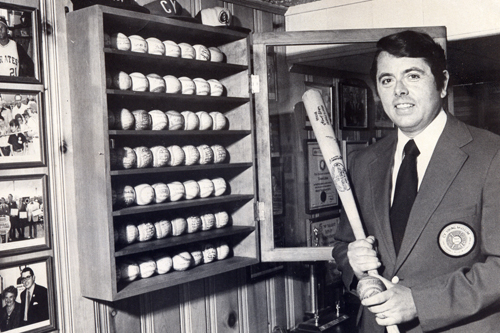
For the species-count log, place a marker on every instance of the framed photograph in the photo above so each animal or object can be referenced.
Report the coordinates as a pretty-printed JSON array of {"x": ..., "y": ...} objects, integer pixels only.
[
  {"x": 322, "y": 229},
  {"x": 381, "y": 118},
  {"x": 272, "y": 77},
  {"x": 353, "y": 106},
  {"x": 21, "y": 129},
  {"x": 326, "y": 92},
  {"x": 28, "y": 291},
  {"x": 320, "y": 189},
  {"x": 24, "y": 224},
  {"x": 19, "y": 34},
  {"x": 349, "y": 147}
]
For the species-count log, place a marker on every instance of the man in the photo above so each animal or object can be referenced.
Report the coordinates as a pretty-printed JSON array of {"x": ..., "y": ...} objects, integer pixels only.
[
  {"x": 14, "y": 61},
  {"x": 443, "y": 273},
  {"x": 19, "y": 106},
  {"x": 14, "y": 219},
  {"x": 34, "y": 299}
]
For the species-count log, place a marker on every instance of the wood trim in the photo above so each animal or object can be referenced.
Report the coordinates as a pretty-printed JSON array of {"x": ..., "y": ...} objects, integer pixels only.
[{"x": 266, "y": 7}]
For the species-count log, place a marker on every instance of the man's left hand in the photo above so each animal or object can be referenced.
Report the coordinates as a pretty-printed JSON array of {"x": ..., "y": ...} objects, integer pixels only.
[{"x": 393, "y": 306}]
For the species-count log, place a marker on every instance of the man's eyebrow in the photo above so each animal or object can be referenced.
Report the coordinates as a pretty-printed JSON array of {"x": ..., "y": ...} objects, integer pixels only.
[{"x": 411, "y": 69}]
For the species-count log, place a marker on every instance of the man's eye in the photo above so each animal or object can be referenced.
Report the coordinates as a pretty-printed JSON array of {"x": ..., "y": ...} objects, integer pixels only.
[
  {"x": 414, "y": 76},
  {"x": 385, "y": 81}
]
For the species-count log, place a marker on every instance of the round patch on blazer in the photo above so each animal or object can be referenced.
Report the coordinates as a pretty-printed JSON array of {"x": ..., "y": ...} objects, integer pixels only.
[{"x": 456, "y": 239}]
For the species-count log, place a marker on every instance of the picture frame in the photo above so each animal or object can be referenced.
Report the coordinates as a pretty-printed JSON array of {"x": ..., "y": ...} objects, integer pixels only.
[
  {"x": 24, "y": 30},
  {"x": 349, "y": 147},
  {"x": 272, "y": 77},
  {"x": 381, "y": 118},
  {"x": 328, "y": 96},
  {"x": 24, "y": 218},
  {"x": 320, "y": 188},
  {"x": 22, "y": 144},
  {"x": 322, "y": 229},
  {"x": 353, "y": 106},
  {"x": 36, "y": 273}
]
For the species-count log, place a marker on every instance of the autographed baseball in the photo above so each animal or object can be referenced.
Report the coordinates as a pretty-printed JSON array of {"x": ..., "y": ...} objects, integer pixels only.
[
  {"x": 205, "y": 120},
  {"x": 216, "y": 88},
  {"x": 187, "y": 51},
  {"x": 155, "y": 46},
  {"x": 191, "y": 120},
  {"x": 177, "y": 156},
  {"x": 216, "y": 54},
  {"x": 146, "y": 231},
  {"x": 197, "y": 256},
  {"x": 222, "y": 250},
  {"x": 147, "y": 266},
  {"x": 202, "y": 52},
  {"x": 207, "y": 221},
  {"x": 206, "y": 154},
  {"x": 221, "y": 219},
  {"x": 220, "y": 186},
  {"x": 173, "y": 85},
  {"x": 172, "y": 49},
  {"x": 175, "y": 120},
  {"x": 156, "y": 83},
  {"x": 219, "y": 120},
  {"x": 162, "y": 193},
  {"x": 123, "y": 158},
  {"x": 191, "y": 189},
  {"x": 161, "y": 156},
  {"x": 202, "y": 87},
  {"x": 144, "y": 157},
  {"x": 120, "y": 42},
  {"x": 129, "y": 270},
  {"x": 179, "y": 226},
  {"x": 142, "y": 120},
  {"x": 124, "y": 119},
  {"x": 122, "y": 81},
  {"x": 125, "y": 195},
  {"x": 163, "y": 263},
  {"x": 127, "y": 234},
  {"x": 163, "y": 228},
  {"x": 159, "y": 120},
  {"x": 209, "y": 253},
  {"x": 138, "y": 44},
  {"x": 176, "y": 190},
  {"x": 187, "y": 86},
  {"x": 193, "y": 224},
  {"x": 139, "y": 81},
  {"x": 144, "y": 194},
  {"x": 220, "y": 153},
  {"x": 206, "y": 187},
  {"x": 181, "y": 261},
  {"x": 192, "y": 155}
]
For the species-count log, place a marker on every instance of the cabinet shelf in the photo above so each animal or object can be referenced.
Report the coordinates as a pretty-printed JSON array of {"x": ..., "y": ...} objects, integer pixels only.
[
  {"x": 171, "y": 241},
  {"x": 210, "y": 167},
  {"x": 179, "y": 133},
  {"x": 182, "y": 204}
]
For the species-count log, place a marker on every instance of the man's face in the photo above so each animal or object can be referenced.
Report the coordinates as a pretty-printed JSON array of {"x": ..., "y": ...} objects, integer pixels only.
[
  {"x": 3, "y": 31},
  {"x": 407, "y": 89},
  {"x": 27, "y": 279}
]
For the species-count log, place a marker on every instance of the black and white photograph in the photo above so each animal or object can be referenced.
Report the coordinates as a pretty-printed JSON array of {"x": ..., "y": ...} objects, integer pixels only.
[{"x": 353, "y": 106}]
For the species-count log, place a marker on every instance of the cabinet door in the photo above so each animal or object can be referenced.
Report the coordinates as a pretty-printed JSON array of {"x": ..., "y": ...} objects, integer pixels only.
[{"x": 295, "y": 206}]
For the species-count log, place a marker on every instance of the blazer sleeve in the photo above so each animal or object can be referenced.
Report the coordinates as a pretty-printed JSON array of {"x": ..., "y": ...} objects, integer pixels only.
[
  {"x": 26, "y": 65},
  {"x": 471, "y": 293}
]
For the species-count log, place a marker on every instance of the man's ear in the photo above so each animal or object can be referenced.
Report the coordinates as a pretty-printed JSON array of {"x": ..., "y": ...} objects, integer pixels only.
[{"x": 444, "y": 90}]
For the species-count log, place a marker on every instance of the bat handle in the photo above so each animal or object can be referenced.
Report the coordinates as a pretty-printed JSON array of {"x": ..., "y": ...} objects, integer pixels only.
[{"x": 392, "y": 329}]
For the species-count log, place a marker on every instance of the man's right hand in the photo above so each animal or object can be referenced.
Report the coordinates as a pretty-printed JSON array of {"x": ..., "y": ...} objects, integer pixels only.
[{"x": 362, "y": 256}]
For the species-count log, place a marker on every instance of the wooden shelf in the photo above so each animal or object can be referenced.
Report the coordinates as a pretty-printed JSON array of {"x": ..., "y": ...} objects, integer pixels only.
[
  {"x": 206, "y": 167},
  {"x": 179, "y": 133}
]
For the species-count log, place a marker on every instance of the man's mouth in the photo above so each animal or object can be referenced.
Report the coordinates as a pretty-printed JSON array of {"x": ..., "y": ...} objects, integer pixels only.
[{"x": 404, "y": 105}]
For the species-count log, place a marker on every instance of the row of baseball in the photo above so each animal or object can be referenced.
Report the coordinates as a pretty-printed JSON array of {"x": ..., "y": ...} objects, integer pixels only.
[
  {"x": 145, "y": 194},
  {"x": 157, "y": 120},
  {"x": 144, "y": 266},
  {"x": 169, "y": 48}
]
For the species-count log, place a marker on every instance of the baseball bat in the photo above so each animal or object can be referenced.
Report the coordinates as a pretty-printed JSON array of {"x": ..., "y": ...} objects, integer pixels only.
[{"x": 323, "y": 130}]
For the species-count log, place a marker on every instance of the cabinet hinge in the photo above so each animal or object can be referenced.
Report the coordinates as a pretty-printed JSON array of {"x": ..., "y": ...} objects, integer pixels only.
[
  {"x": 254, "y": 84},
  {"x": 260, "y": 211}
]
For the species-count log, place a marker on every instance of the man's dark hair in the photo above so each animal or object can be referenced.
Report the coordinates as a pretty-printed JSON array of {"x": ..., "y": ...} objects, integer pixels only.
[
  {"x": 27, "y": 269},
  {"x": 413, "y": 44}
]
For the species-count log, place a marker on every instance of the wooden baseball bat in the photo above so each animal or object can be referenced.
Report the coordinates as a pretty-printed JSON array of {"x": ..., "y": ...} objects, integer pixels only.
[{"x": 323, "y": 130}]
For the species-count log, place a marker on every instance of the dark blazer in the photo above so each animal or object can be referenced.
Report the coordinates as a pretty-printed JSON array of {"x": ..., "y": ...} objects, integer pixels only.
[
  {"x": 461, "y": 187},
  {"x": 39, "y": 307}
]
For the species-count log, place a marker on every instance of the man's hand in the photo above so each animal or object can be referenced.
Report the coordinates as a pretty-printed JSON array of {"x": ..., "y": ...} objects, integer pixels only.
[
  {"x": 393, "y": 306},
  {"x": 362, "y": 256}
]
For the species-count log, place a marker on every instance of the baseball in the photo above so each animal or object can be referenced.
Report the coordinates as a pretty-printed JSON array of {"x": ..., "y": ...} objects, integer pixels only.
[
  {"x": 129, "y": 270},
  {"x": 220, "y": 153},
  {"x": 191, "y": 120},
  {"x": 144, "y": 194},
  {"x": 205, "y": 120},
  {"x": 146, "y": 231},
  {"x": 127, "y": 234},
  {"x": 207, "y": 221},
  {"x": 147, "y": 266},
  {"x": 187, "y": 86},
  {"x": 222, "y": 250},
  {"x": 206, "y": 154},
  {"x": 175, "y": 120},
  {"x": 138, "y": 44},
  {"x": 220, "y": 186},
  {"x": 156, "y": 83},
  {"x": 209, "y": 253},
  {"x": 159, "y": 120},
  {"x": 187, "y": 51},
  {"x": 163, "y": 263},
  {"x": 176, "y": 190},
  {"x": 177, "y": 156},
  {"x": 182, "y": 261},
  {"x": 124, "y": 119},
  {"x": 172, "y": 49},
  {"x": 144, "y": 157},
  {"x": 155, "y": 46},
  {"x": 216, "y": 88},
  {"x": 219, "y": 120},
  {"x": 125, "y": 195},
  {"x": 369, "y": 286},
  {"x": 179, "y": 226},
  {"x": 161, "y": 156},
  {"x": 202, "y": 87},
  {"x": 120, "y": 42},
  {"x": 162, "y": 193},
  {"x": 173, "y": 85},
  {"x": 197, "y": 257},
  {"x": 202, "y": 52},
  {"x": 216, "y": 54},
  {"x": 192, "y": 154},
  {"x": 123, "y": 158},
  {"x": 142, "y": 120},
  {"x": 139, "y": 81},
  {"x": 163, "y": 228},
  {"x": 191, "y": 189},
  {"x": 193, "y": 224},
  {"x": 221, "y": 219},
  {"x": 122, "y": 81},
  {"x": 206, "y": 187}
]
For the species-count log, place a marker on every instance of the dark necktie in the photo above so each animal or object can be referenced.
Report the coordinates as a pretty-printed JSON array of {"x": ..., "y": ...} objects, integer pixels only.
[{"x": 404, "y": 194}]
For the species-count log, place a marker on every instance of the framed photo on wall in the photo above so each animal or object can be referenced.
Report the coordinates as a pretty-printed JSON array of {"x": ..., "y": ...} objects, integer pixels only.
[
  {"x": 326, "y": 92},
  {"x": 353, "y": 106},
  {"x": 21, "y": 129},
  {"x": 28, "y": 282},
  {"x": 24, "y": 224}
]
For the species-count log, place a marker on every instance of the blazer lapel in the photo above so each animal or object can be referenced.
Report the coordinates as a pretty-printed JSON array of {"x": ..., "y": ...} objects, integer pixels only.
[{"x": 446, "y": 162}]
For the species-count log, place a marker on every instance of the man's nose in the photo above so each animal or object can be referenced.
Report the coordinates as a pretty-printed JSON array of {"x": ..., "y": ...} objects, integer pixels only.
[{"x": 400, "y": 88}]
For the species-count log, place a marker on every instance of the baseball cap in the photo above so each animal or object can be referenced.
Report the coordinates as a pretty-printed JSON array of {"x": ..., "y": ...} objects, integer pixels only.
[
  {"x": 216, "y": 16},
  {"x": 170, "y": 9}
]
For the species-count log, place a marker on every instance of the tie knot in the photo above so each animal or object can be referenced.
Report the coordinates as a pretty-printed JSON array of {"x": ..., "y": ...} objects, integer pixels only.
[{"x": 411, "y": 149}]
